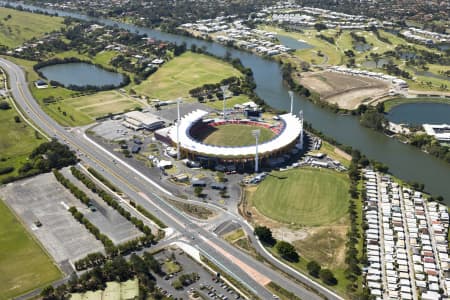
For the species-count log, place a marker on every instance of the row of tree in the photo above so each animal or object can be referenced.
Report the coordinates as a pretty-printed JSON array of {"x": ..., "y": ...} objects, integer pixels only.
[{"x": 111, "y": 201}]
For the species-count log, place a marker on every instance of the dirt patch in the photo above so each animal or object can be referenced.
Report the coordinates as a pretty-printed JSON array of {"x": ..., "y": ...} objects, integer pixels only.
[
  {"x": 346, "y": 91},
  {"x": 325, "y": 244}
]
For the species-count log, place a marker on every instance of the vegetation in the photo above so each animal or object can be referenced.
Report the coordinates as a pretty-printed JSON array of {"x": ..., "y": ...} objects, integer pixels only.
[
  {"x": 115, "y": 269},
  {"x": 287, "y": 251},
  {"x": 304, "y": 196},
  {"x": 313, "y": 268},
  {"x": 44, "y": 158},
  {"x": 111, "y": 202},
  {"x": 103, "y": 180},
  {"x": 17, "y": 142},
  {"x": 281, "y": 292},
  {"x": 190, "y": 70},
  {"x": 328, "y": 277},
  {"x": 17, "y": 27},
  {"x": 265, "y": 235},
  {"x": 149, "y": 215},
  {"x": 24, "y": 264}
]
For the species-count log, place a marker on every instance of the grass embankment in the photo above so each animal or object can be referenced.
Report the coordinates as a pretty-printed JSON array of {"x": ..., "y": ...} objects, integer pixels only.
[
  {"x": 391, "y": 103},
  {"x": 183, "y": 73},
  {"x": 236, "y": 135},
  {"x": 24, "y": 265},
  {"x": 309, "y": 197},
  {"x": 16, "y": 27},
  {"x": 17, "y": 141}
]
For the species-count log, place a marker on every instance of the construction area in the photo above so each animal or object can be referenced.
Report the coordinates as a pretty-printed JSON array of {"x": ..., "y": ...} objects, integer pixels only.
[{"x": 346, "y": 91}]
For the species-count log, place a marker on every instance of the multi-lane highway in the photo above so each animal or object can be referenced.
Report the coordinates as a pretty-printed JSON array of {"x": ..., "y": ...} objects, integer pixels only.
[{"x": 251, "y": 273}]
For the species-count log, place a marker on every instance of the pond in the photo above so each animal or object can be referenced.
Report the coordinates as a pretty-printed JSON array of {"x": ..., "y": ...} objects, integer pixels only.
[
  {"x": 372, "y": 64},
  {"x": 429, "y": 74},
  {"x": 293, "y": 43},
  {"x": 362, "y": 47},
  {"x": 81, "y": 74},
  {"x": 420, "y": 113}
]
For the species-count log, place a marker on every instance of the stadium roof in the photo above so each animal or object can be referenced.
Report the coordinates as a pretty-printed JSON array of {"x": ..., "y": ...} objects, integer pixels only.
[{"x": 289, "y": 135}]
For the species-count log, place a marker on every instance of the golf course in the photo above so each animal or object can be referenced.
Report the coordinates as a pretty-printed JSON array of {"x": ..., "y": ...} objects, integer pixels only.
[{"x": 309, "y": 197}]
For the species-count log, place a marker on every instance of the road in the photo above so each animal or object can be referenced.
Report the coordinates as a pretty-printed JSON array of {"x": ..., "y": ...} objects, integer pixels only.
[{"x": 253, "y": 274}]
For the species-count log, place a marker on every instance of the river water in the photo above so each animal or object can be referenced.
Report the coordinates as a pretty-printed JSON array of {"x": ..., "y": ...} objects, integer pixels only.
[{"x": 404, "y": 161}]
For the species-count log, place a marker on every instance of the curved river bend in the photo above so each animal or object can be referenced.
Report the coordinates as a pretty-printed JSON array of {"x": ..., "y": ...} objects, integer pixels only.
[{"x": 404, "y": 161}]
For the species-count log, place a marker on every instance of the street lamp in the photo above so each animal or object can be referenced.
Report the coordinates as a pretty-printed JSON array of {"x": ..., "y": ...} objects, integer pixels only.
[
  {"x": 224, "y": 89},
  {"x": 300, "y": 142},
  {"x": 178, "y": 129},
  {"x": 291, "y": 94},
  {"x": 256, "y": 133}
]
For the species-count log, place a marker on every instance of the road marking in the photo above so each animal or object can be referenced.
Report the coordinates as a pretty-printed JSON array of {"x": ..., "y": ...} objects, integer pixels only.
[
  {"x": 166, "y": 213},
  {"x": 257, "y": 276}
]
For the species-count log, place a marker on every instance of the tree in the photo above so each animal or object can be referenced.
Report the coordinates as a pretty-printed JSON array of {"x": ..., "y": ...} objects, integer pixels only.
[
  {"x": 327, "y": 277},
  {"x": 287, "y": 251},
  {"x": 198, "y": 190},
  {"x": 4, "y": 105},
  {"x": 313, "y": 268},
  {"x": 265, "y": 235},
  {"x": 17, "y": 119}
]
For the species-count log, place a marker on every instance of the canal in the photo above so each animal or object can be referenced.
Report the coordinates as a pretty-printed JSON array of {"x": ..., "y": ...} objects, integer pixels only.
[{"x": 404, "y": 161}]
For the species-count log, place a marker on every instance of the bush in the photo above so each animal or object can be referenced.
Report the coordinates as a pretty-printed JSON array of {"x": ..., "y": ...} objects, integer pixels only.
[
  {"x": 6, "y": 170},
  {"x": 4, "y": 105},
  {"x": 265, "y": 235},
  {"x": 287, "y": 251},
  {"x": 313, "y": 268},
  {"x": 328, "y": 277}
]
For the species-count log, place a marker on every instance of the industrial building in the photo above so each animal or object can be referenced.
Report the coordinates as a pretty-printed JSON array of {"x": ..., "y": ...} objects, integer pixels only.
[{"x": 137, "y": 120}]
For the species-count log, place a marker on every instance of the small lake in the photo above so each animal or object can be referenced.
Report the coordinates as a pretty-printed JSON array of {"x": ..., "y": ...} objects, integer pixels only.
[
  {"x": 292, "y": 43},
  {"x": 372, "y": 64},
  {"x": 362, "y": 47},
  {"x": 81, "y": 74},
  {"x": 420, "y": 113}
]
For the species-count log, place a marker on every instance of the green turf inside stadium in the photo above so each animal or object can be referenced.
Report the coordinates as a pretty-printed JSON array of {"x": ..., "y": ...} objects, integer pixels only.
[{"x": 234, "y": 135}]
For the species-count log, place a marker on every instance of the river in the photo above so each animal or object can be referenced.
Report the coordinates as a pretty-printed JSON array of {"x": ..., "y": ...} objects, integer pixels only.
[{"x": 404, "y": 161}]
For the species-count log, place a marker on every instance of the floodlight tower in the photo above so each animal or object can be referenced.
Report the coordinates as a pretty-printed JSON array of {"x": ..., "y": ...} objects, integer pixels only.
[
  {"x": 224, "y": 89},
  {"x": 300, "y": 142},
  {"x": 291, "y": 95},
  {"x": 178, "y": 129},
  {"x": 256, "y": 133}
]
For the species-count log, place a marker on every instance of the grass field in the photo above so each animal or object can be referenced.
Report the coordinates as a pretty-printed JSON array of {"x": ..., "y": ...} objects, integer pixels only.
[
  {"x": 16, "y": 142},
  {"x": 181, "y": 74},
  {"x": 229, "y": 102},
  {"x": 391, "y": 103},
  {"x": 23, "y": 26},
  {"x": 24, "y": 266},
  {"x": 309, "y": 197},
  {"x": 83, "y": 110},
  {"x": 235, "y": 135}
]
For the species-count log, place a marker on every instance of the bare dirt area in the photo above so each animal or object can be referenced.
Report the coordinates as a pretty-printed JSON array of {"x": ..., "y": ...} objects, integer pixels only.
[
  {"x": 325, "y": 244},
  {"x": 347, "y": 91}
]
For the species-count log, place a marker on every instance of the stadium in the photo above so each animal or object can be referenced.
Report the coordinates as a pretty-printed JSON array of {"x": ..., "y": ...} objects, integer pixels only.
[{"x": 231, "y": 141}]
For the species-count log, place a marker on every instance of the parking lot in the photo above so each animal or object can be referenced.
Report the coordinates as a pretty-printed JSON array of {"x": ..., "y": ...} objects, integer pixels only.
[
  {"x": 104, "y": 217},
  {"x": 42, "y": 199},
  {"x": 207, "y": 285}
]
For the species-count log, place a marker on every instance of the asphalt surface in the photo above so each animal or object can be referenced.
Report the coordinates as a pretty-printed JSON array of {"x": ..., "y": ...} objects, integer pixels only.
[{"x": 147, "y": 192}]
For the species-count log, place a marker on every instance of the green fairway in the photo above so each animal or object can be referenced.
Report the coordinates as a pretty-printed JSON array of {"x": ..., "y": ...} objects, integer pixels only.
[
  {"x": 23, "y": 26},
  {"x": 235, "y": 135},
  {"x": 17, "y": 141},
  {"x": 309, "y": 197},
  {"x": 181, "y": 74},
  {"x": 24, "y": 266}
]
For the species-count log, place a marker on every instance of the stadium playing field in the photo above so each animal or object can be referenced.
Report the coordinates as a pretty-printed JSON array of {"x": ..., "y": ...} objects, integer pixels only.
[
  {"x": 234, "y": 135},
  {"x": 24, "y": 266},
  {"x": 309, "y": 197}
]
